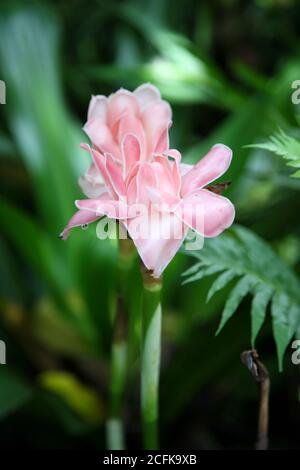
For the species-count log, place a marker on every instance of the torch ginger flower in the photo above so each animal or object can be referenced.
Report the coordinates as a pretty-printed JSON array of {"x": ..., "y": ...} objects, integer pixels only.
[
  {"x": 142, "y": 113},
  {"x": 136, "y": 179}
]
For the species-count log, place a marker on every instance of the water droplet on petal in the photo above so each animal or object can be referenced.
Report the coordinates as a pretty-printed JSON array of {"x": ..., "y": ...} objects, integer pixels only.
[{"x": 84, "y": 226}]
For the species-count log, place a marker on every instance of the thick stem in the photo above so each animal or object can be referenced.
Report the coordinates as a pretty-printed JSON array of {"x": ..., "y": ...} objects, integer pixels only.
[
  {"x": 115, "y": 429},
  {"x": 119, "y": 352},
  {"x": 150, "y": 359},
  {"x": 263, "y": 417},
  {"x": 261, "y": 375}
]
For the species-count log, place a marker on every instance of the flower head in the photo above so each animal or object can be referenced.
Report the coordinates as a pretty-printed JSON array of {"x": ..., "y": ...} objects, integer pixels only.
[
  {"x": 142, "y": 114},
  {"x": 136, "y": 179}
]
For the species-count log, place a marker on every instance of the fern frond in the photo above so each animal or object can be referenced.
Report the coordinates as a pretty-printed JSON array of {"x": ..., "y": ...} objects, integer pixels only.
[
  {"x": 285, "y": 146},
  {"x": 239, "y": 253},
  {"x": 221, "y": 282},
  {"x": 262, "y": 295},
  {"x": 240, "y": 290}
]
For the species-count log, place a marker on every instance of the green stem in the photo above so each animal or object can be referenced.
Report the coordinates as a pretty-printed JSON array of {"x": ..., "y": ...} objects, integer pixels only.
[
  {"x": 119, "y": 352},
  {"x": 150, "y": 359}
]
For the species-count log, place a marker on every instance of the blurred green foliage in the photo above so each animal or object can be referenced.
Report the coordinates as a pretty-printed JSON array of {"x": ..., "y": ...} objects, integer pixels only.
[{"x": 227, "y": 69}]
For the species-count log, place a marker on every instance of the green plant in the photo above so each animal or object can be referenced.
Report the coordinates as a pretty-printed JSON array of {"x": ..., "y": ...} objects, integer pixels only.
[
  {"x": 286, "y": 147},
  {"x": 241, "y": 254}
]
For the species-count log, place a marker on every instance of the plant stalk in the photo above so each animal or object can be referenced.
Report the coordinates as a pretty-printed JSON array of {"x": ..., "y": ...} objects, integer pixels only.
[
  {"x": 119, "y": 353},
  {"x": 150, "y": 359},
  {"x": 261, "y": 375}
]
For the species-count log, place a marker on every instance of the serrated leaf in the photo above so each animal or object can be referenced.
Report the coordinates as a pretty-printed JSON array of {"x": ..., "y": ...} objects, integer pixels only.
[
  {"x": 241, "y": 289},
  {"x": 281, "y": 328},
  {"x": 293, "y": 317},
  {"x": 193, "y": 269},
  {"x": 262, "y": 296},
  {"x": 204, "y": 272},
  {"x": 221, "y": 282},
  {"x": 285, "y": 146},
  {"x": 242, "y": 252}
]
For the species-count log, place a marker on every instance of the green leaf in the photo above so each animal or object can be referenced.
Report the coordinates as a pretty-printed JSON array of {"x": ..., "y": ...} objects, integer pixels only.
[
  {"x": 285, "y": 146},
  {"x": 262, "y": 296},
  {"x": 181, "y": 75},
  {"x": 204, "y": 272},
  {"x": 241, "y": 126},
  {"x": 241, "y": 253},
  {"x": 14, "y": 391},
  {"x": 192, "y": 269},
  {"x": 293, "y": 318},
  {"x": 40, "y": 251},
  {"x": 241, "y": 289},
  {"x": 221, "y": 282},
  {"x": 47, "y": 141},
  {"x": 85, "y": 401},
  {"x": 282, "y": 330},
  {"x": 11, "y": 286},
  {"x": 296, "y": 174},
  {"x": 45, "y": 136},
  {"x": 25, "y": 234}
]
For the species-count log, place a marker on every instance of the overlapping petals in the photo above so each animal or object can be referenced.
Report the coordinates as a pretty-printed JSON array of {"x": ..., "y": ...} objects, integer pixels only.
[
  {"x": 135, "y": 178},
  {"x": 142, "y": 113}
]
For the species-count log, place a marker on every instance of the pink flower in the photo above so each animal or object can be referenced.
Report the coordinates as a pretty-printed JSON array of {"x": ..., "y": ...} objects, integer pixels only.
[
  {"x": 136, "y": 179},
  {"x": 142, "y": 113}
]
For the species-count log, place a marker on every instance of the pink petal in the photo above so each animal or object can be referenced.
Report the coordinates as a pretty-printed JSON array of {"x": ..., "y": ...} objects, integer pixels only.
[
  {"x": 211, "y": 167},
  {"x": 162, "y": 143},
  {"x": 108, "y": 207},
  {"x": 175, "y": 168},
  {"x": 163, "y": 169},
  {"x": 81, "y": 217},
  {"x": 121, "y": 103},
  {"x": 131, "y": 185},
  {"x": 98, "y": 108},
  {"x": 115, "y": 174},
  {"x": 131, "y": 124},
  {"x": 94, "y": 174},
  {"x": 185, "y": 168},
  {"x": 101, "y": 136},
  {"x": 157, "y": 238},
  {"x": 131, "y": 152},
  {"x": 207, "y": 213},
  {"x": 100, "y": 163},
  {"x": 146, "y": 178},
  {"x": 156, "y": 119},
  {"x": 91, "y": 183},
  {"x": 164, "y": 201},
  {"x": 146, "y": 94}
]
